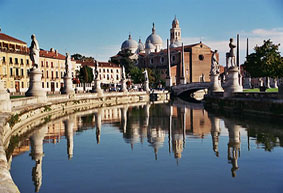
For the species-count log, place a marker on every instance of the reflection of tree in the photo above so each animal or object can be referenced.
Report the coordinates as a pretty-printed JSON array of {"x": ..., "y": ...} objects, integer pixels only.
[{"x": 268, "y": 138}]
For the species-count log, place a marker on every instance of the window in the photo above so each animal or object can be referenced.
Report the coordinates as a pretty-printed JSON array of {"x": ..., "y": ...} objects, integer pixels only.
[
  {"x": 107, "y": 70},
  {"x": 27, "y": 61},
  {"x": 56, "y": 84},
  {"x": 51, "y": 64},
  {"x": 46, "y": 64},
  {"x": 22, "y": 72},
  {"x": 42, "y": 74},
  {"x": 151, "y": 61},
  {"x": 11, "y": 60},
  {"x": 47, "y": 85},
  {"x": 16, "y": 61},
  {"x": 41, "y": 63},
  {"x": 11, "y": 71},
  {"x": 117, "y": 77},
  {"x": 117, "y": 71},
  {"x": 17, "y": 72},
  {"x": 200, "y": 57},
  {"x": 23, "y": 84},
  {"x": 173, "y": 58},
  {"x": 103, "y": 70},
  {"x": 107, "y": 76},
  {"x": 99, "y": 70},
  {"x": 56, "y": 74},
  {"x": 27, "y": 72},
  {"x": 47, "y": 75},
  {"x": 42, "y": 84},
  {"x": 61, "y": 74},
  {"x": 4, "y": 59},
  {"x": 111, "y": 70},
  {"x": 22, "y": 61},
  {"x": 52, "y": 74}
]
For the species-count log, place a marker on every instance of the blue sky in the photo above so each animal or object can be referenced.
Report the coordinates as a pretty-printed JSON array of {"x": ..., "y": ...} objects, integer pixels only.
[{"x": 98, "y": 28}]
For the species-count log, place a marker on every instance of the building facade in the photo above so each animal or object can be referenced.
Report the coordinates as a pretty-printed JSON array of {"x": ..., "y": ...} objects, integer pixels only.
[
  {"x": 191, "y": 64},
  {"x": 15, "y": 64}
]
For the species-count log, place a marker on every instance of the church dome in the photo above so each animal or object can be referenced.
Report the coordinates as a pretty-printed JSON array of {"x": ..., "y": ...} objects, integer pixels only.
[
  {"x": 140, "y": 46},
  {"x": 176, "y": 44},
  {"x": 154, "y": 38},
  {"x": 130, "y": 44},
  {"x": 149, "y": 45}
]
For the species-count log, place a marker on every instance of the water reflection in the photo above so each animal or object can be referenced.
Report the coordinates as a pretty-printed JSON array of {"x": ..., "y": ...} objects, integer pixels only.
[{"x": 157, "y": 125}]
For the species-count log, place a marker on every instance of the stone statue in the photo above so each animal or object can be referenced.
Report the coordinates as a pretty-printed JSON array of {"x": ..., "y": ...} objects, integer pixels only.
[
  {"x": 232, "y": 53},
  {"x": 214, "y": 64},
  {"x": 145, "y": 75},
  {"x": 96, "y": 71},
  {"x": 123, "y": 73},
  {"x": 68, "y": 65},
  {"x": 34, "y": 52}
]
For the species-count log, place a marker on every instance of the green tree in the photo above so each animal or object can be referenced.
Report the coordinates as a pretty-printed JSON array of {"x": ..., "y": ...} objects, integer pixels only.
[
  {"x": 86, "y": 75},
  {"x": 265, "y": 62}
]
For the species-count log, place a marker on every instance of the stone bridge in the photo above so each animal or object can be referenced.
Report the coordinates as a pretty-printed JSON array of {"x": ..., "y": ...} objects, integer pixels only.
[{"x": 187, "y": 89}]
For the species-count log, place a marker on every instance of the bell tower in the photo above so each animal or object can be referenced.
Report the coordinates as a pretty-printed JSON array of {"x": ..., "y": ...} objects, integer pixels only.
[{"x": 175, "y": 31}]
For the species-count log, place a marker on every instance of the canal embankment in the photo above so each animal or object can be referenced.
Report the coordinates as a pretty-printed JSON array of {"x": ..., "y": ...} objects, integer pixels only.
[{"x": 251, "y": 103}]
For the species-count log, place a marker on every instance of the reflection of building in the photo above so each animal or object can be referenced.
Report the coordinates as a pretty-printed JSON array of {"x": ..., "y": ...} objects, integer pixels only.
[
  {"x": 15, "y": 64},
  {"x": 36, "y": 141}
]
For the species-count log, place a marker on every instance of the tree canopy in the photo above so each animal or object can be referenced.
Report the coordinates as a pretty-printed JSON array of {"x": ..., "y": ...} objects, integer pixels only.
[
  {"x": 86, "y": 74},
  {"x": 265, "y": 62}
]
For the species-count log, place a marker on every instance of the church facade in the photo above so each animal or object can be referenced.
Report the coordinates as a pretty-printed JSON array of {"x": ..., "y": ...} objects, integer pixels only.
[{"x": 188, "y": 63}]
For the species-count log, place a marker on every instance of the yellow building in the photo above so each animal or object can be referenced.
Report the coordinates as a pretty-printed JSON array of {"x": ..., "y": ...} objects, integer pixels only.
[{"x": 15, "y": 64}]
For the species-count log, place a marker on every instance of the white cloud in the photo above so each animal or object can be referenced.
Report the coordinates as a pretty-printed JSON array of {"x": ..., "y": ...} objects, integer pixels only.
[{"x": 255, "y": 36}]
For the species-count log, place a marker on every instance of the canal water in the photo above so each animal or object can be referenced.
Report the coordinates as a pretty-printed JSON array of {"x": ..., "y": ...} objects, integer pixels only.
[{"x": 151, "y": 148}]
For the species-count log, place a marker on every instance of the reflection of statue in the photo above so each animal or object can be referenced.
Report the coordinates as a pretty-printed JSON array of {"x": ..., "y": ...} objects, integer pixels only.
[
  {"x": 214, "y": 64},
  {"x": 231, "y": 54},
  {"x": 34, "y": 52},
  {"x": 68, "y": 65}
]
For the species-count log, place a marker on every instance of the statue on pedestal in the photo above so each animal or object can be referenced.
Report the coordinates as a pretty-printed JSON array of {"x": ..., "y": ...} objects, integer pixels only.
[
  {"x": 95, "y": 71},
  {"x": 146, "y": 81},
  {"x": 68, "y": 65},
  {"x": 214, "y": 64},
  {"x": 34, "y": 52},
  {"x": 231, "y": 54},
  {"x": 35, "y": 86}
]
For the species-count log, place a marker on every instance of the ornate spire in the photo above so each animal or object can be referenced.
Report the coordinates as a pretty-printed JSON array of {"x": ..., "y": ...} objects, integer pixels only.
[
  {"x": 130, "y": 37},
  {"x": 153, "y": 28}
]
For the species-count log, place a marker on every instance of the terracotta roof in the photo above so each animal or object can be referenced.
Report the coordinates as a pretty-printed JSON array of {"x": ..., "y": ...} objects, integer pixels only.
[
  {"x": 48, "y": 54},
  {"x": 9, "y": 38}
]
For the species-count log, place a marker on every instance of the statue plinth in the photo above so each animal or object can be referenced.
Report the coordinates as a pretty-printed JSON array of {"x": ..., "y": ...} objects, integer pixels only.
[
  {"x": 68, "y": 86},
  {"x": 124, "y": 86},
  {"x": 5, "y": 102},
  {"x": 168, "y": 81},
  {"x": 232, "y": 84},
  {"x": 97, "y": 88},
  {"x": 214, "y": 84},
  {"x": 146, "y": 86},
  {"x": 35, "y": 85}
]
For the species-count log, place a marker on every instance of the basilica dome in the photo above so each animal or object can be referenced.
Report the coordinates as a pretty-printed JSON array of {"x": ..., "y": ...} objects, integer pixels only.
[
  {"x": 154, "y": 39},
  {"x": 140, "y": 46},
  {"x": 130, "y": 44}
]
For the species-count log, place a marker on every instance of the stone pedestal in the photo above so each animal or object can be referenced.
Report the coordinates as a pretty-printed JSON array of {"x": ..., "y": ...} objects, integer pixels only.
[
  {"x": 182, "y": 80},
  {"x": 124, "y": 86},
  {"x": 5, "y": 102},
  {"x": 214, "y": 84},
  {"x": 68, "y": 86},
  {"x": 168, "y": 82},
  {"x": 232, "y": 84},
  {"x": 146, "y": 86},
  {"x": 35, "y": 85},
  {"x": 97, "y": 87}
]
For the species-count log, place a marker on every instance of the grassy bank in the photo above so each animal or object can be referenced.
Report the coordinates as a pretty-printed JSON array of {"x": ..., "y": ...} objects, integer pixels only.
[{"x": 257, "y": 90}]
